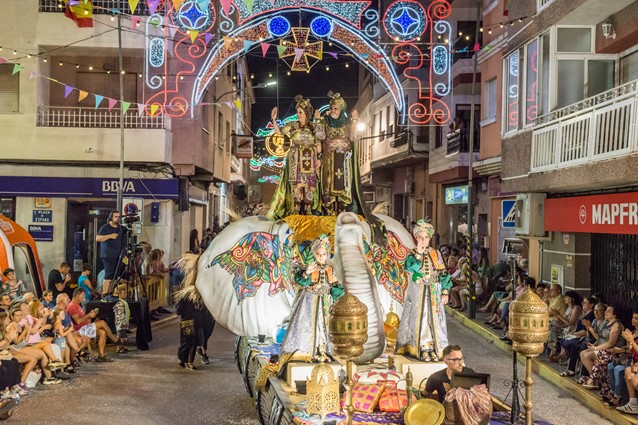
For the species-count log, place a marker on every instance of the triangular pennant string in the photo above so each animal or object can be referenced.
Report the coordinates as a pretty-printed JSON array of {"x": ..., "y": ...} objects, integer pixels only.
[
  {"x": 177, "y": 4},
  {"x": 173, "y": 30},
  {"x": 208, "y": 37},
  {"x": 133, "y": 5},
  {"x": 228, "y": 42},
  {"x": 280, "y": 50},
  {"x": 32, "y": 75},
  {"x": 154, "y": 109},
  {"x": 67, "y": 90},
  {"x": 98, "y": 100},
  {"x": 247, "y": 45},
  {"x": 203, "y": 4},
  {"x": 17, "y": 68},
  {"x": 249, "y": 4},
  {"x": 226, "y": 6},
  {"x": 140, "y": 109},
  {"x": 112, "y": 103},
  {"x": 193, "y": 35},
  {"x": 152, "y": 6},
  {"x": 298, "y": 53},
  {"x": 333, "y": 54},
  {"x": 125, "y": 106},
  {"x": 264, "y": 49},
  {"x": 83, "y": 94},
  {"x": 135, "y": 21},
  {"x": 238, "y": 104},
  {"x": 3, "y": 60}
]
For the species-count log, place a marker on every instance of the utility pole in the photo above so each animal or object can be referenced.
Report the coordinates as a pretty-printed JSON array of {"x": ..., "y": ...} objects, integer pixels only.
[
  {"x": 120, "y": 188},
  {"x": 471, "y": 304}
]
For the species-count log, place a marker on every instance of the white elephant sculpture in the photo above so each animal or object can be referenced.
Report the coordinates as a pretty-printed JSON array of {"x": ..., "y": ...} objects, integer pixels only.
[{"x": 245, "y": 275}]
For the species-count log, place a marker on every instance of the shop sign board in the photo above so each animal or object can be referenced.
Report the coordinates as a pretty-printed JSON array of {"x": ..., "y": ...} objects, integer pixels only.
[
  {"x": 42, "y": 216},
  {"x": 615, "y": 213},
  {"x": 456, "y": 195},
  {"x": 42, "y": 202},
  {"x": 41, "y": 233}
]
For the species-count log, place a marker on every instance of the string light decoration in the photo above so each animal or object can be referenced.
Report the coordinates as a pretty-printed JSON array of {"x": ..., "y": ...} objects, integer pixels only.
[
  {"x": 279, "y": 26},
  {"x": 321, "y": 26},
  {"x": 405, "y": 20},
  {"x": 269, "y": 179},
  {"x": 191, "y": 16},
  {"x": 310, "y": 54}
]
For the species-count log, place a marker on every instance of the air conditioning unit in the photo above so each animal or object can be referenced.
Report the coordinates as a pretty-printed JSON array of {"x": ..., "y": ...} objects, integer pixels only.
[{"x": 529, "y": 217}]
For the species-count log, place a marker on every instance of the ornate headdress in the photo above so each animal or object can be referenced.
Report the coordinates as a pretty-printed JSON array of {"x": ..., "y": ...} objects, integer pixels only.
[
  {"x": 305, "y": 105},
  {"x": 336, "y": 99},
  {"x": 423, "y": 226},
  {"x": 321, "y": 242}
]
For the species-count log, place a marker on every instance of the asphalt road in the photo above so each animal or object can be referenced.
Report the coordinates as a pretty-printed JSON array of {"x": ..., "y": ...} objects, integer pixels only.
[{"x": 141, "y": 388}]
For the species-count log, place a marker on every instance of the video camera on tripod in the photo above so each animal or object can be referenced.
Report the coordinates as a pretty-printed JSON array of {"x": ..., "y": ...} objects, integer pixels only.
[{"x": 131, "y": 239}]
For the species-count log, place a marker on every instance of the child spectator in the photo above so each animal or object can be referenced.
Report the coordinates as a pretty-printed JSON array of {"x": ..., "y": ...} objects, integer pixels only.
[
  {"x": 122, "y": 316},
  {"x": 47, "y": 299},
  {"x": 12, "y": 286},
  {"x": 85, "y": 283}
]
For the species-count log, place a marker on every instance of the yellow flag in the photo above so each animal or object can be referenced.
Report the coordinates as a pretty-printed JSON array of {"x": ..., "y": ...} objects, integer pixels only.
[
  {"x": 193, "y": 34},
  {"x": 228, "y": 42},
  {"x": 154, "y": 109},
  {"x": 177, "y": 4},
  {"x": 238, "y": 104},
  {"x": 83, "y": 94},
  {"x": 133, "y": 5}
]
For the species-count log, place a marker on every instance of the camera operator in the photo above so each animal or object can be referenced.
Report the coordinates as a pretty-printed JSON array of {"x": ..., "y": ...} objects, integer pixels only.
[{"x": 112, "y": 237}]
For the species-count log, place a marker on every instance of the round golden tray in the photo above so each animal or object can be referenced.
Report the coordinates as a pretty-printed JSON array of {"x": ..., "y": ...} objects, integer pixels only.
[{"x": 424, "y": 412}]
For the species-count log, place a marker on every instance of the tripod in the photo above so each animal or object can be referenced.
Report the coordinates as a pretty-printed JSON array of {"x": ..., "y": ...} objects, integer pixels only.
[{"x": 131, "y": 269}]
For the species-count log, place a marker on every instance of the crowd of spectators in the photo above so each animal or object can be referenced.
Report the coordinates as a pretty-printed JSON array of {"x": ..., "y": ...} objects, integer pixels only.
[{"x": 45, "y": 340}]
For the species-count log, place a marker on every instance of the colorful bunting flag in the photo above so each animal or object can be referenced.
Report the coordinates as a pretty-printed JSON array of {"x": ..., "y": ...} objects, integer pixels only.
[
  {"x": 173, "y": 30},
  {"x": 226, "y": 5},
  {"x": 133, "y": 5},
  {"x": 208, "y": 37},
  {"x": 249, "y": 4},
  {"x": 203, "y": 4},
  {"x": 152, "y": 5},
  {"x": 154, "y": 108},
  {"x": 140, "y": 109},
  {"x": 3, "y": 60},
  {"x": 112, "y": 103},
  {"x": 82, "y": 14},
  {"x": 193, "y": 35},
  {"x": 272, "y": 2},
  {"x": 98, "y": 100},
  {"x": 67, "y": 90},
  {"x": 247, "y": 45},
  {"x": 177, "y": 4},
  {"x": 280, "y": 50},
  {"x": 17, "y": 68},
  {"x": 135, "y": 21},
  {"x": 238, "y": 104},
  {"x": 476, "y": 48},
  {"x": 228, "y": 42},
  {"x": 125, "y": 106},
  {"x": 298, "y": 53},
  {"x": 333, "y": 54},
  {"x": 83, "y": 94},
  {"x": 264, "y": 49},
  {"x": 32, "y": 75}
]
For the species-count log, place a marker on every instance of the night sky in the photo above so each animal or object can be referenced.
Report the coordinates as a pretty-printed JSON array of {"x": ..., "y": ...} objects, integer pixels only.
[{"x": 314, "y": 85}]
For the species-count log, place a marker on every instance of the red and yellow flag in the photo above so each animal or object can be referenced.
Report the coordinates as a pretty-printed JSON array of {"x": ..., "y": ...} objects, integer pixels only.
[{"x": 81, "y": 12}]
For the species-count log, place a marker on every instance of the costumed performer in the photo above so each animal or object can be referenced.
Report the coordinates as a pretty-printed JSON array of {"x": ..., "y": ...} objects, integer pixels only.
[
  {"x": 298, "y": 192},
  {"x": 423, "y": 330},
  {"x": 308, "y": 327}
]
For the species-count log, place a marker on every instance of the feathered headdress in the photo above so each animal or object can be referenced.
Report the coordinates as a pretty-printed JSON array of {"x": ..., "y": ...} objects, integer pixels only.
[
  {"x": 305, "y": 105},
  {"x": 336, "y": 99},
  {"x": 321, "y": 242},
  {"x": 423, "y": 226}
]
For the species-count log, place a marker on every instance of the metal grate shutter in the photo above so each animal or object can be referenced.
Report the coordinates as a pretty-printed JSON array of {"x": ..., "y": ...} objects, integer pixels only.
[
  {"x": 629, "y": 68},
  {"x": 9, "y": 89}
]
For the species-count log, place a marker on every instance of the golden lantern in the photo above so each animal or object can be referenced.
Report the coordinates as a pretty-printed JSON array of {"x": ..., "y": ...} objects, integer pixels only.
[
  {"x": 322, "y": 390},
  {"x": 391, "y": 329},
  {"x": 528, "y": 329},
  {"x": 348, "y": 333}
]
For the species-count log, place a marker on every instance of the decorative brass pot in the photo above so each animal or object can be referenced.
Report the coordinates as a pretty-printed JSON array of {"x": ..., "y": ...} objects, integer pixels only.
[
  {"x": 528, "y": 327},
  {"x": 348, "y": 326}
]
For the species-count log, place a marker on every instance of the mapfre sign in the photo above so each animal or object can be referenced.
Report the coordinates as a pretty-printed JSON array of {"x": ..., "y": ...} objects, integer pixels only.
[{"x": 615, "y": 213}]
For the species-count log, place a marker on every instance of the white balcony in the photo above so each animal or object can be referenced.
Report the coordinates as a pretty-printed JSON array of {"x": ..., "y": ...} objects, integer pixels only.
[
  {"x": 596, "y": 129},
  {"x": 60, "y": 116}
]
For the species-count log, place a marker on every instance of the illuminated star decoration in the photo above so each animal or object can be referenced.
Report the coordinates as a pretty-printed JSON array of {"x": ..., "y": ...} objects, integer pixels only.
[{"x": 301, "y": 62}]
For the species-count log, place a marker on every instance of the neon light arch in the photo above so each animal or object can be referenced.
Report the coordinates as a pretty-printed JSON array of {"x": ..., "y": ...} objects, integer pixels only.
[{"x": 343, "y": 33}]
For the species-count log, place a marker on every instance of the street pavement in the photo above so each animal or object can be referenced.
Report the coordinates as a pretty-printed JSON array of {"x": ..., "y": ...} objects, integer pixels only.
[{"x": 148, "y": 388}]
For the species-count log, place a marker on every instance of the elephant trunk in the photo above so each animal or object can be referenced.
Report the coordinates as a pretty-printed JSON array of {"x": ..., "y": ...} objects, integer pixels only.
[{"x": 352, "y": 270}]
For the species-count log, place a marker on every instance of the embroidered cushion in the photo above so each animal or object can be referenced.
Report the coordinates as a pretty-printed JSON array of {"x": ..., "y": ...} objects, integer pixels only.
[
  {"x": 365, "y": 397},
  {"x": 392, "y": 399}
]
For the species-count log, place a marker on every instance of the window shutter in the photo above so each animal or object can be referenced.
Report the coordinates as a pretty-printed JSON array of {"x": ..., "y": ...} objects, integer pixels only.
[
  {"x": 629, "y": 68},
  {"x": 9, "y": 89}
]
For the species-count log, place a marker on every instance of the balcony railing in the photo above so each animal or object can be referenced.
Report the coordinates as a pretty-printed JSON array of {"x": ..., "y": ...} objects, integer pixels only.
[
  {"x": 597, "y": 128},
  {"x": 100, "y": 7},
  {"x": 60, "y": 116},
  {"x": 458, "y": 141}
]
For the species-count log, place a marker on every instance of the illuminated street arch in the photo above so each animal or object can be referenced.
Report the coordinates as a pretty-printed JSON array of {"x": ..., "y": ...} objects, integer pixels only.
[{"x": 418, "y": 40}]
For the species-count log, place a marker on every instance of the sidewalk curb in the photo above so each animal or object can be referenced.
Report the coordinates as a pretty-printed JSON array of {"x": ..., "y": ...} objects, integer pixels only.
[
  {"x": 163, "y": 322},
  {"x": 586, "y": 397}
]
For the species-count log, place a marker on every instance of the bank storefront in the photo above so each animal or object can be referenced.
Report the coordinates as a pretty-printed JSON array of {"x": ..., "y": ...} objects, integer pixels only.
[{"x": 63, "y": 214}]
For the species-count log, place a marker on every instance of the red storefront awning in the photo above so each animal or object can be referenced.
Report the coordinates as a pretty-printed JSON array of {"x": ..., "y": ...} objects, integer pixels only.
[{"x": 613, "y": 213}]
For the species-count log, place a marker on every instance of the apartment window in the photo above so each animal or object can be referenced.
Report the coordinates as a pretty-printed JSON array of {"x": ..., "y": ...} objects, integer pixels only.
[
  {"x": 390, "y": 125},
  {"x": 543, "y": 89},
  {"x": 490, "y": 99},
  {"x": 381, "y": 127},
  {"x": 227, "y": 136},
  {"x": 220, "y": 130},
  {"x": 9, "y": 89},
  {"x": 629, "y": 68},
  {"x": 438, "y": 136},
  {"x": 574, "y": 40}
]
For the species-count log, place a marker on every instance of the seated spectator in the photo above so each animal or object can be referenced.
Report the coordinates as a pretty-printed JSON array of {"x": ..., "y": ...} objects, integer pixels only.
[
  {"x": 452, "y": 264},
  {"x": 631, "y": 373},
  {"x": 557, "y": 304},
  {"x": 47, "y": 299},
  {"x": 500, "y": 317},
  {"x": 84, "y": 282},
  {"x": 42, "y": 352},
  {"x": 560, "y": 323},
  {"x": 82, "y": 324},
  {"x": 464, "y": 293},
  {"x": 459, "y": 282},
  {"x": 74, "y": 341},
  {"x": 12, "y": 286},
  {"x": 122, "y": 317},
  {"x": 575, "y": 335},
  {"x": 439, "y": 382},
  {"x": 5, "y": 303},
  {"x": 621, "y": 361},
  {"x": 60, "y": 279},
  {"x": 60, "y": 335},
  {"x": 591, "y": 333},
  {"x": 596, "y": 357},
  {"x": 9, "y": 366}
]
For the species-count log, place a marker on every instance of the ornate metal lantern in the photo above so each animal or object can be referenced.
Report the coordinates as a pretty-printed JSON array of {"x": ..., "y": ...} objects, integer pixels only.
[
  {"x": 528, "y": 327},
  {"x": 348, "y": 326},
  {"x": 348, "y": 333},
  {"x": 322, "y": 390},
  {"x": 391, "y": 328},
  {"x": 528, "y": 330}
]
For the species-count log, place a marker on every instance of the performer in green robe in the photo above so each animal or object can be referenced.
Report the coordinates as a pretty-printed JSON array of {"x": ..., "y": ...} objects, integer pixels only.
[{"x": 423, "y": 329}]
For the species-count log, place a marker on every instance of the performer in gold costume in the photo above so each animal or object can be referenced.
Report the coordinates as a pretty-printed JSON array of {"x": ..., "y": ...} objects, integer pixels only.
[{"x": 298, "y": 192}]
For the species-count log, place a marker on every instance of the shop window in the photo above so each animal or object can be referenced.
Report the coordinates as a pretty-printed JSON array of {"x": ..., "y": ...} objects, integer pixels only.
[
  {"x": 9, "y": 89},
  {"x": 8, "y": 208}
]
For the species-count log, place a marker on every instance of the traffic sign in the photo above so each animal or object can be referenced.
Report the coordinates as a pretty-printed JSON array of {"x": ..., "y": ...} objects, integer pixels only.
[{"x": 508, "y": 212}]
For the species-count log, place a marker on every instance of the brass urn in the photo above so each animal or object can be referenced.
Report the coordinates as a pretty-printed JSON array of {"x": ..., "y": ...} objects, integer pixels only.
[
  {"x": 528, "y": 328},
  {"x": 348, "y": 326}
]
